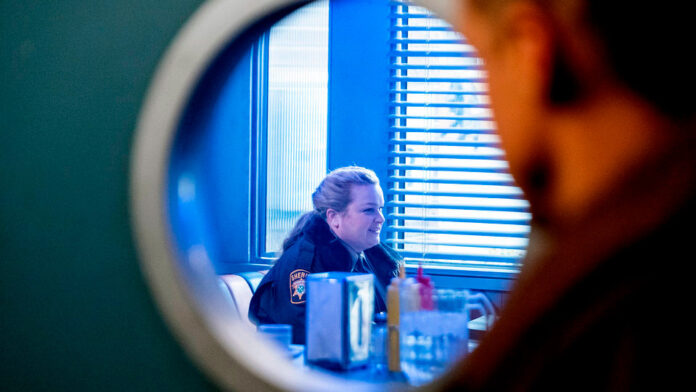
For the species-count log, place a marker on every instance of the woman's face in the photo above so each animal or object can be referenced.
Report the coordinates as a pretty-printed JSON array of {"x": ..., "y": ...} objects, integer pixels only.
[{"x": 360, "y": 223}]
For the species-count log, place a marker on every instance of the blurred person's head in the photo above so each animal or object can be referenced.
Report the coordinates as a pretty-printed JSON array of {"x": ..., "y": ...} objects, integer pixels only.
[
  {"x": 581, "y": 89},
  {"x": 350, "y": 199}
]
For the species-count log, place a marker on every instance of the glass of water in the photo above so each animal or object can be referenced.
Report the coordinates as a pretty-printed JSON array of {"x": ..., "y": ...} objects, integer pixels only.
[{"x": 432, "y": 339}]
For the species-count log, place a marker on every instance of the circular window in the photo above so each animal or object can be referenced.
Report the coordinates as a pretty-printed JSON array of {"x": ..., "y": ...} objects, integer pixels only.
[{"x": 171, "y": 210}]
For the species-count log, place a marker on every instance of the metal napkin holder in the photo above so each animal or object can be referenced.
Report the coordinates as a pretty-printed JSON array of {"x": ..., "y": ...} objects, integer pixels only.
[{"x": 340, "y": 307}]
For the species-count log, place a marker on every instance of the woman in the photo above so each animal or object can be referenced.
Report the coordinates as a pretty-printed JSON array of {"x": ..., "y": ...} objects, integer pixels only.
[{"x": 340, "y": 234}]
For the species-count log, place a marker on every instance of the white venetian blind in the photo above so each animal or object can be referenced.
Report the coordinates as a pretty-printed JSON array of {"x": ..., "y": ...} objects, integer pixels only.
[{"x": 450, "y": 198}]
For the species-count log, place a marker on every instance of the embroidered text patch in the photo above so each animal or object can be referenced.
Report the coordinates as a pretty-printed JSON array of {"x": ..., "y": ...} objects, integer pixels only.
[{"x": 298, "y": 289}]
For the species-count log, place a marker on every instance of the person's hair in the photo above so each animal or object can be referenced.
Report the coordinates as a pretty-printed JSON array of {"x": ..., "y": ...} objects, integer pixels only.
[
  {"x": 646, "y": 46},
  {"x": 334, "y": 192}
]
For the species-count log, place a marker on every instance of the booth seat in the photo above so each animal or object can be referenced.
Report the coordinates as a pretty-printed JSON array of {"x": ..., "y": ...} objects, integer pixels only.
[{"x": 238, "y": 288}]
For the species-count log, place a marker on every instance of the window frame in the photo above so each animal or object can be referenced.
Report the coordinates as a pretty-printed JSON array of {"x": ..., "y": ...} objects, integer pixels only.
[{"x": 355, "y": 139}]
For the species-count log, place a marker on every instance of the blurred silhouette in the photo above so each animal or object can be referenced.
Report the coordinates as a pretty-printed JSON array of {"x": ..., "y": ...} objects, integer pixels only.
[{"x": 594, "y": 107}]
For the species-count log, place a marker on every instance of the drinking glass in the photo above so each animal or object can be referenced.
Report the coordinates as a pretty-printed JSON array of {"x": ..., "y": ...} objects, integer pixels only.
[
  {"x": 432, "y": 339},
  {"x": 280, "y": 334}
]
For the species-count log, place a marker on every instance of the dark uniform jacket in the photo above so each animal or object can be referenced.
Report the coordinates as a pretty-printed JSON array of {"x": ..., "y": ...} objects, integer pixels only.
[
  {"x": 280, "y": 297},
  {"x": 604, "y": 302}
]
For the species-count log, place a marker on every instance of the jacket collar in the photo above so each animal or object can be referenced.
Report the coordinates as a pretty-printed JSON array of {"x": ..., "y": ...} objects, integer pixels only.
[{"x": 318, "y": 230}]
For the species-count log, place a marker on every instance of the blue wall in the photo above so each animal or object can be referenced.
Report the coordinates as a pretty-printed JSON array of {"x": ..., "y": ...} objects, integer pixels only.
[
  {"x": 359, "y": 85},
  {"x": 75, "y": 312}
]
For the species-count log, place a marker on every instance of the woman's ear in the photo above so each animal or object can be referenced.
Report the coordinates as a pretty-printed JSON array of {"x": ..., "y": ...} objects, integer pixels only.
[{"x": 333, "y": 218}]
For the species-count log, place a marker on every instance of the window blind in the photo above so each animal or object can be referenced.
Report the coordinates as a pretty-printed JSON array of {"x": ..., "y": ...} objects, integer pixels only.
[{"x": 450, "y": 199}]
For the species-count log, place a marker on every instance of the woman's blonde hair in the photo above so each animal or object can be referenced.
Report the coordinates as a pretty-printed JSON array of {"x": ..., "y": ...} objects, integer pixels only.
[{"x": 334, "y": 192}]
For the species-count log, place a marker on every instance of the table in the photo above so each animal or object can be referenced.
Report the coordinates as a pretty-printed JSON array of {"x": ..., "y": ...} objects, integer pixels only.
[{"x": 477, "y": 328}]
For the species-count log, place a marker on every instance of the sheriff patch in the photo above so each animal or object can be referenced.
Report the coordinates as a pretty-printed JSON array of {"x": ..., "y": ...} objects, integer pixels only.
[{"x": 298, "y": 289}]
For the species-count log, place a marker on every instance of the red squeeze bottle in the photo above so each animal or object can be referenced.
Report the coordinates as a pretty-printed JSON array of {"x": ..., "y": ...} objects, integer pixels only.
[{"x": 426, "y": 289}]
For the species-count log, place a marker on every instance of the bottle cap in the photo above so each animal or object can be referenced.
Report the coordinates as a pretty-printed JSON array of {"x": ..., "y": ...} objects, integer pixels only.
[{"x": 380, "y": 318}]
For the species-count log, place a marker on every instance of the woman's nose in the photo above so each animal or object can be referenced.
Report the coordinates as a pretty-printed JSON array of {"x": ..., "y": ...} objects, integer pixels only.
[{"x": 380, "y": 217}]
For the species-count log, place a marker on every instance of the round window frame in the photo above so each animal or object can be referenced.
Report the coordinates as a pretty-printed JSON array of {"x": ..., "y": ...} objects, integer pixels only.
[{"x": 187, "y": 293}]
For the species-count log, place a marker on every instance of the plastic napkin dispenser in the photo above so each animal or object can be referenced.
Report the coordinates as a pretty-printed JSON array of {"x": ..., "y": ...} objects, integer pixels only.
[{"x": 340, "y": 308}]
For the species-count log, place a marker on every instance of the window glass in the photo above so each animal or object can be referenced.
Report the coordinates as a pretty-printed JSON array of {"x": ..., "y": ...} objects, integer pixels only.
[{"x": 296, "y": 118}]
